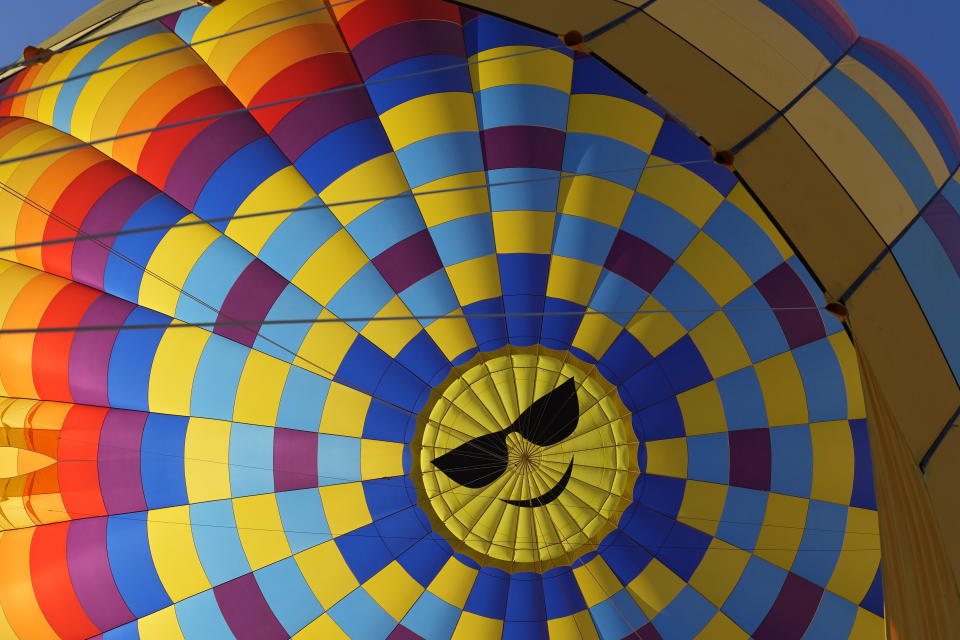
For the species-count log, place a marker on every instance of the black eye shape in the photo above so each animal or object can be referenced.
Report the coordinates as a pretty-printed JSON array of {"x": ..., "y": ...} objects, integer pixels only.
[{"x": 546, "y": 422}]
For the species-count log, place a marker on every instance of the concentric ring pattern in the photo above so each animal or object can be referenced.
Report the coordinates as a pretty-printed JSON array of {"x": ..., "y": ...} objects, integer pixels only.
[{"x": 257, "y": 480}]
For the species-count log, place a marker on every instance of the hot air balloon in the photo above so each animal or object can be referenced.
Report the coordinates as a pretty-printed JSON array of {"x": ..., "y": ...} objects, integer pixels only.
[{"x": 412, "y": 319}]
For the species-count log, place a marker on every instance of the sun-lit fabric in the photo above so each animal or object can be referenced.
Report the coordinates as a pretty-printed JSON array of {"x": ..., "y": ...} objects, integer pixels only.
[{"x": 498, "y": 204}]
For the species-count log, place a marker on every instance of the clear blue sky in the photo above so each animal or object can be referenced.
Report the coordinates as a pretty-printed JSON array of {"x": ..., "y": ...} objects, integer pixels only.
[{"x": 923, "y": 30}]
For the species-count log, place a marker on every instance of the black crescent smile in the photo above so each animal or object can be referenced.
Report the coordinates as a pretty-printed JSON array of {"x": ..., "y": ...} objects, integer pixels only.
[{"x": 549, "y": 496}]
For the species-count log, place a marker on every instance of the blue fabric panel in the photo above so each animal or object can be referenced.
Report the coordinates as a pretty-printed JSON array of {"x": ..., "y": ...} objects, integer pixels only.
[
  {"x": 415, "y": 77},
  {"x": 490, "y": 333},
  {"x": 592, "y": 76},
  {"x": 132, "y": 359},
  {"x": 342, "y": 150},
  {"x": 251, "y": 459},
  {"x": 605, "y": 158},
  {"x": 683, "y": 550},
  {"x": 645, "y": 388},
  {"x": 660, "y": 421},
  {"x": 685, "y": 616},
  {"x": 161, "y": 461},
  {"x": 823, "y": 381},
  {"x": 298, "y": 237},
  {"x": 236, "y": 179},
  {"x": 662, "y": 494},
  {"x": 291, "y": 304},
  {"x": 743, "y": 513},
  {"x": 210, "y": 280},
  {"x": 128, "y": 549},
  {"x": 558, "y": 331},
  {"x": 617, "y": 617},
  {"x": 391, "y": 424},
  {"x": 754, "y": 594},
  {"x": 424, "y": 559},
  {"x": 744, "y": 240},
  {"x": 362, "y": 296},
  {"x": 403, "y": 529},
  {"x": 708, "y": 458},
  {"x": 189, "y": 20},
  {"x": 440, "y": 156},
  {"x": 361, "y": 617},
  {"x": 304, "y": 522},
  {"x": 614, "y": 293},
  {"x": 863, "y": 495},
  {"x": 364, "y": 552},
  {"x": 523, "y": 273},
  {"x": 488, "y": 597},
  {"x": 128, "y": 631},
  {"x": 821, "y": 543},
  {"x": 659, "y": 225},
  {"x": 217, "y": 541},
  {"x": 645, "y": 526},
  {"x": 625, "y": 557},
  {"x": 561, "y": 593},
  {"x": 301, "y": 404},
  {"x": 683, "y": 365},
  {"x": 742, "y": 399},
  {"x": 675, "y": 144},
  {"x": 487, "y": 32},
  {"x": 758, "y": 329},
  {"x": 799, "y": 19},
  {"x": 625, "y": 356},
  {"x": 386, "y": 224},
  {"x": 522, "y": 105},
  {"x": 791, "y": 460},
  {"x": 582, "y": 238},
  {"x": 834, "y": 619},
  {"x": 288, "y": 594},
  {"x": 431, "y": 617},
  {"x": 525, "y": 597},
  {"x": 464, "y": 238},
  {"x": 402, "y": 388},
  {"x": 338, "y": 459},
  {"x": 523, "y": 189},
  {"x": 682, "y": 295},
  {"x": 363, "y": 366},
  {"x": 430, "y": 296},
  {"x": 217, "y": 377},
  {"x": 873, "y": 601},
  {"x": 422, "y": 357},
  {"x": 200, "y": 618},
  {"x": 524, "y": 330}
]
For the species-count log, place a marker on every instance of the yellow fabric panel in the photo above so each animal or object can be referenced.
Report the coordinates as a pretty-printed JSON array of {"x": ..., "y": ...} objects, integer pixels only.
[
  {"x": 6, "y": 631},
  {"x": 344, "y": 411},
  {"x": 702, "y": 506},
  {"x": 216, "y": 23},
  {"x": 680, "y": 189},
  {"x": 470, "y": 626},
  {"x": 323, "y": 628},
  {"x": 391, "y": 335},
  {"x": 345, "y": 506},
  {"x": 832, "y": 454},
  {"x": 376, "y": 178},
  {"x": 172, "y": 260},
  {"x": 667, "y": 457},
  {"x": 14, "y": 514},
  {"x": 579, "y": 626},
  {"x": 41, "y": 104},
  {"x": 741, "y": 198},
  {"x": 286, "y": 189},
  {"x": 572, "y": 279},
  {"x": 475, "y": 280},
  {"x": 714, "y": 268},
  {"x": 614, "y": 118},
  {"x": 206, "y": 454},
  {"x": 722, "y": 628},
  {"x": 595, "y": 334},
  {"x": 394, "y": 590},
  {"x": 901, "y": 113},
  {"x": 521, "y": 64},
  {"x": 594, "y": 198},
  {"x": 718, "y": 572},
  {"x": 523, "y": 231},
  {"x": 330, "y": 266},
  {"x": 224, "y": 54},
  {"x": 859, "y": 557},
  {"x": 174, "y": 553},
  {"x": 854, "y": 161},
  {"x": 847, "y": 357},
  {"x": 720, "y": 345},
  {"x": 326, "y": 572},
  {"x": 440, "y": 206},
  {"x": 16, "y": 351},
  {"x": 160, "y": 625},
  {"x": 749, "y": 39},
  {"x": 596, "y": 580},
  {"x": 326, "y": 344},
  {"x": 260, "y": 388},
  {"x": 174, "y": 365},
  {"x": 260, "y": 529},
  {"x": 430, "y": 115},
  {"x": 655, "y": 329},
  {"x": 782, "y": 529},
  {"x": 783, "y": 392},
  {"x": 380, "y": 459},
  {"x": 655, "y": 587},
  {"x": 453, "y": 583},
  {"x": 867, "y": 626},
  {"x": 452, "y": 335}
]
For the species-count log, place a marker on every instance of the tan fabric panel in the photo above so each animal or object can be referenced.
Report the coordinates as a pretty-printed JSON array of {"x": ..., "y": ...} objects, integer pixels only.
[
  {"x": 102, "y": 11},
  {"x": 817, "y": 215},
  {"x": 921, "y": 599},
  {"x": 558, "y": 16},
  {"x": 910, "y": 369},
  {"x": 698, "y": 90},
  {"x": 943, "y": 482},
  {"x": 750, "y": 40}
]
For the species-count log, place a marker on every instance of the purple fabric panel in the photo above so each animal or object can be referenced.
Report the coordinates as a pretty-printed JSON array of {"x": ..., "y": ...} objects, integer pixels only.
[
  {"x": 792, "y": 611},
  {"x": 110, "y": 212},
  {"x": 246, "y": 610},
  {"x": 408, "y": 261},
  {"x": 250, "y": 298},
  {"x": 118, "y": 461},
  {"x": 90, "y": 351},
  {"x": 170, "y": 21},
  {"x": 646, "y": 632},
  {"x": 782, "y": 288},
  {"x": 294, "y": 459},
  {"x": 750, "y": 459},
  {"x": 944, "y": 221},
  {"x": 206, "y": 152},
  {"x": 833, "y": 20},
  {"x": 402, "y": 633},
  {"x": 316, "y": 117},
  {"x": 90, "y": 574},
  {"x": 522, "y": 146},
  {"x": 407, "y": 40},
  {"x": 638, "y": 261}
]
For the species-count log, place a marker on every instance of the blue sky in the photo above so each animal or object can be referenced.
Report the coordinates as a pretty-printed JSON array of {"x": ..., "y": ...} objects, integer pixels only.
[{"x": 923, "y": 30}]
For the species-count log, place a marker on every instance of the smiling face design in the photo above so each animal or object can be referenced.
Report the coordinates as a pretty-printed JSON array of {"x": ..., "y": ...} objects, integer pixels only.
[{"x": 524, "y": 457}]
